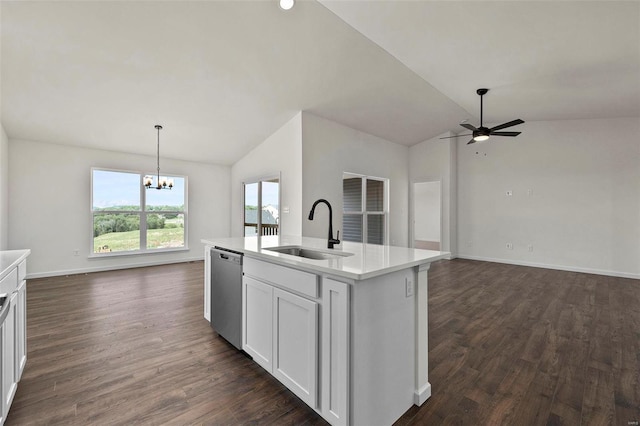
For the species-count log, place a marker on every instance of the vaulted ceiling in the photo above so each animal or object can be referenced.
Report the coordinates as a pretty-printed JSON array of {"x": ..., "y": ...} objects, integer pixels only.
[{"x": 221, "y": 76}]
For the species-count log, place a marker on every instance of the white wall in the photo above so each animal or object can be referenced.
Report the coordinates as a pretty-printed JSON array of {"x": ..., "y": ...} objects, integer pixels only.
[
  {"x": 328, "y": 150},
  {"x": 436, "y": 160},
  {"x": 427, "y": 210},
  {"x": 584, "y": 209},
  {"x": 280, "y": 153},
  {"x": 49, "y": 211},
  {"x": 4, "y": 189}
]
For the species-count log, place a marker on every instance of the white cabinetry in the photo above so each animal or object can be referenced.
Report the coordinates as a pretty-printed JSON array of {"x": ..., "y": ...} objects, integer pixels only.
[
  {"x": 280, "y": 329},
  {"x": 207, "y": 282},
  {"x": 9, "y": 382},
  {"x": 335, "y": 351},
  {"x": 257, "y": 313},
  {"x": 13, "y": 335},
  {"x": 295, "y": 344},
  {"x": 21, "y": 330}
]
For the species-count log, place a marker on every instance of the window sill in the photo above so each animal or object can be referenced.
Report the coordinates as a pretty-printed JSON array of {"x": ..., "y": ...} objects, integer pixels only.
[{"x": 136, "y": 253}]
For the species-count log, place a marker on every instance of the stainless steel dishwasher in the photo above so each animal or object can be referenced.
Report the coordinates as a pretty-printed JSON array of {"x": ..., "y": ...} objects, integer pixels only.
[{"x": 226, "y": 295}]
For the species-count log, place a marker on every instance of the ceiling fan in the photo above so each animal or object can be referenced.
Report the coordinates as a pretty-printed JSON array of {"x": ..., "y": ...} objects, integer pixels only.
[{"x": 482, "y": 133}]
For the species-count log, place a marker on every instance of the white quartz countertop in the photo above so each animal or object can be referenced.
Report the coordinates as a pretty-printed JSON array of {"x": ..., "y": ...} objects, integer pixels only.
[
  {"x": 9, "y": 259},
  {"x": 366, "y": 260}
]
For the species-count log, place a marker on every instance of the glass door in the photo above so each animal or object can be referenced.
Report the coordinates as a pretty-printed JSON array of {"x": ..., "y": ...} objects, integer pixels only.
[{"x": 262, "y": 207}]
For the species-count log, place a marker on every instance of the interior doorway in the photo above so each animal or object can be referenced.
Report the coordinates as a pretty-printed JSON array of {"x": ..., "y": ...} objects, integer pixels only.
[{"x": 427, "y": 215}]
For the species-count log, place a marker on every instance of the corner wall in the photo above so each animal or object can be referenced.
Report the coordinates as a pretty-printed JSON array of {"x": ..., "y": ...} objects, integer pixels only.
[
  {"x": 328, "y": 150},
  {"x": 50, "y": 205},
  {"x": 576, "y": 197},
  {"x": 280, "y": 154}
]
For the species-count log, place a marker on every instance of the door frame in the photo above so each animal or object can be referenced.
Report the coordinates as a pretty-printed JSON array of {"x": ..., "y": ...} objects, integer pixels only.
[{"x": 259, "y": 181}]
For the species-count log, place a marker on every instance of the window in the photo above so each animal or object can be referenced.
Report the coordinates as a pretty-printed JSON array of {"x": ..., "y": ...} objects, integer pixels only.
[
  {"x": 365, "y": 211},
  {"x": 266, "y": 194},
  {"x": 121, "y": 207}
]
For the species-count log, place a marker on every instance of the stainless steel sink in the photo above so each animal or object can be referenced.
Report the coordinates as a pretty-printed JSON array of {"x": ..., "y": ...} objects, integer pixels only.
[{"x": 309, "y": 253}]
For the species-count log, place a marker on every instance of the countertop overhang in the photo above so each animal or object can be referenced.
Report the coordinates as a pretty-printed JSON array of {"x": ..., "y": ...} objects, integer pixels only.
[{"x": 367, "y": 260}]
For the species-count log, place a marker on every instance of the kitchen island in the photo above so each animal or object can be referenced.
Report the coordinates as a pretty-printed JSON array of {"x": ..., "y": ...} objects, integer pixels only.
[{"x": 345, "y": 330}]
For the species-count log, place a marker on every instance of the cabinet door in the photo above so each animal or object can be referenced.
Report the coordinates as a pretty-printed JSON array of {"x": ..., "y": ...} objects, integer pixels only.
[
  {"x": 335, "y": 351},
  {"x": 257, "y": 321},
  {"x": 8, "y": 356},
  {"x": 295, "y": 344},
  {"x": 21, "y": 330}
]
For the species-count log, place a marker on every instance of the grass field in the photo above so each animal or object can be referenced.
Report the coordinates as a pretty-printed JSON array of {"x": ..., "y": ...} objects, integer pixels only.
[{"x": 123, "y": 241}]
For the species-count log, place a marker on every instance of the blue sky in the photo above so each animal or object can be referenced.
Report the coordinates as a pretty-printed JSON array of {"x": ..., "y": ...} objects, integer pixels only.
[
  {"x": 269, "y": 194},
  {"x": 112, "y": 189}
]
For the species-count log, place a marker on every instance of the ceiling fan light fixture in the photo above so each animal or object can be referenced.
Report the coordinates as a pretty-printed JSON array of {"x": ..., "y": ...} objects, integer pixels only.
[
  {"x": 286, "y": 4},
  {"x": 483, "y": 133}
]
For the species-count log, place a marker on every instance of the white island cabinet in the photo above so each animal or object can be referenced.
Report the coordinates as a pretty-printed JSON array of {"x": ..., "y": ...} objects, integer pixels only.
[
  {"x": 280, "y": 327},
  {"x": 13, "y": 330},
  {"x": 346, "y": 334}
]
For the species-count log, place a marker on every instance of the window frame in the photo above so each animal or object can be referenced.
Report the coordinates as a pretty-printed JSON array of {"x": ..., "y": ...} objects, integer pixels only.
[
  {"x": 363, "y": 212},
  {"x": 142, "y": 213}
]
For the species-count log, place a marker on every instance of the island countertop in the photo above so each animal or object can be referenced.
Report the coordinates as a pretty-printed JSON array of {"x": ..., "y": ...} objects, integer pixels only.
[
  {"x": 9, "y": 259},
  {"x": 365, "y": 260}
]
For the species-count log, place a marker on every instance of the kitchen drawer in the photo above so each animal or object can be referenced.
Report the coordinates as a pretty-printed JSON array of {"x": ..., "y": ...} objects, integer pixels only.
[
  {"x": 22, "y": 270},
  {"x": 292, "y": 279},
  {"x": 10, "y": 282}
]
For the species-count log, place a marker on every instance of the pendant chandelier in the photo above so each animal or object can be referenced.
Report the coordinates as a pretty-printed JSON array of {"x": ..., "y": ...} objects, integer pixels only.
[{"x": 162, "y": 182}]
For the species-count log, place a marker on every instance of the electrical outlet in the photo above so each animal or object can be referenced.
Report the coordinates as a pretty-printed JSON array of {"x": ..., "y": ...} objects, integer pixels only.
[
  {"x": 76, "y": 252},
  {"x": 510, "y": 246},
  {"x": 408, "y": 284},
  {"x": 530, "y": 247},
  {"x": 529, "y": 192}
]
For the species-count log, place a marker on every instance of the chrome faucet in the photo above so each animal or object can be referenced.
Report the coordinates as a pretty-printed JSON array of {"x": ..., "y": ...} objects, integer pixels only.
[{"x": 331, "y": 241}]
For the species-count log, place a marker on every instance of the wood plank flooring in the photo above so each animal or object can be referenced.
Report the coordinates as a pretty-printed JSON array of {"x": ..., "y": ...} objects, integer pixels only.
[{"x": 508, "y": 345}]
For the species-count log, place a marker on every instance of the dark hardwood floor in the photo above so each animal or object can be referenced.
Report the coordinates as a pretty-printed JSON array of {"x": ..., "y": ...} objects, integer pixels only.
[{"x": 508, "y": 345}]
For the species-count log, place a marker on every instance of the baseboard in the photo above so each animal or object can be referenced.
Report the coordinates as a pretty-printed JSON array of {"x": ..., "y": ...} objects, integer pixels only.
[
  {"x": 551, "y": 266},
  {"x": 109, "y": 268},
  {"x": 421, "y": 395}
]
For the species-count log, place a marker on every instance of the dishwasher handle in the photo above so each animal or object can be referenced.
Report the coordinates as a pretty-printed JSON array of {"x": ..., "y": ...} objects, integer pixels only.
[{"x": 226, "y": 255}]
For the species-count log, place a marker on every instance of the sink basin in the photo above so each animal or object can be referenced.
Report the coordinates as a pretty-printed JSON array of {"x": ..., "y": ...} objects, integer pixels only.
[{"x": 309, "y": 253}]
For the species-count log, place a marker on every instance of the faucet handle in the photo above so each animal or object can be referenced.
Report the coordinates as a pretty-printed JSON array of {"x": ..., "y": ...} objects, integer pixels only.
[{"x": 333, "y": 241}]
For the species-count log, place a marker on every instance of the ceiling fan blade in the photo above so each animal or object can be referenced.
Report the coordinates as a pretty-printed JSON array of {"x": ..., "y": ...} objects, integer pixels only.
[
  {"x": 468, "y": 126},
  {"x": 505, "y": 125},
  {"x": 471, "y": 141},
  {"x": 505, "y": 133},
  {"x": 449, "y": 137}
]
